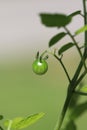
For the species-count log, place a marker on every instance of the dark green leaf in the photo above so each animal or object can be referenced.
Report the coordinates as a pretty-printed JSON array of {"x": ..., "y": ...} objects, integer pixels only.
[
  {"x": 74, "y": 101},
  {"x": 70, "y": 125},
  {"x": 1, "y": 117},
  {"x": 78, "y": 111},
  {"x": 55, "y": 20},
  {"x": 65, "y": 48},
  {"x": 82, "y": 29},
  {"x": 56, "y": 38},
  {"x": 75, "y": 13}
]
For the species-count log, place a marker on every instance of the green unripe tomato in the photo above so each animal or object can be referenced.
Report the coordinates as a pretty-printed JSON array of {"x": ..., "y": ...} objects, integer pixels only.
[{"x": 40, "y": 67}]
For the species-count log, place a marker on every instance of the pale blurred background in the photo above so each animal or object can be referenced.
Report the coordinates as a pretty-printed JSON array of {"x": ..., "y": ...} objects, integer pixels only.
[
  {"x": 21, "y": 36},
  {"x": 21, "y": 33}
]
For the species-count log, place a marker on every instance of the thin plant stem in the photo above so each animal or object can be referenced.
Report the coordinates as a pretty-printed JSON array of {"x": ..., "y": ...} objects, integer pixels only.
[
  {"x": 74, "y": 81},
  {"x": 63, "y": 66},
  {"x": 80, "y": 53},
  {"x": 69, "y": 96},
  {"x": 43, "y": 53},
  {"x": 81, "y": 77},
  {"x": 68, "y": 99},
  {"x": 85, "y": 23},
  {"x": 85, "y": 48},
  {"x": 64, "y": 110},
  {"x": 80, "y": 93},
  {"x": 82, "y": 15}
]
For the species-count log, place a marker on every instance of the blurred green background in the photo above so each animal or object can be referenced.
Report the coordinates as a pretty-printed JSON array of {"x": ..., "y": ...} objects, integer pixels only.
[{"x": 22, "y": 92}]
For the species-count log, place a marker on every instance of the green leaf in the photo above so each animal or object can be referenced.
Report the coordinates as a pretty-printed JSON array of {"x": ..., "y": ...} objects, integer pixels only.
[
  {"x": 29, "y": 120},
  {"x": 54, "y": 20},
  {"x": 74, "y": 101},
  {"x": 82, "y": 29},
  {"x": 78, "y": 111},
  {"x": 20, "y": 123},
  {"x": 56, "y": 38},
  {"x": 70, "y": 125},
  {"x": 75, "y": 13},
  {"x": 65, "y": 48},
  {"x": 14, "y": 122},
  {"x": 82, "y": 90}
]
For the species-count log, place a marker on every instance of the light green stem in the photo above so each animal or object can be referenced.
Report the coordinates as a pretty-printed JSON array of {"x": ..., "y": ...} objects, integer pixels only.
[{"x": 9, "y": 126}]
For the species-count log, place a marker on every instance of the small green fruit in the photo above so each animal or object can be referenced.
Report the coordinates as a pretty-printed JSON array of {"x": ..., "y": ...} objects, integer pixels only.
[{"x": 40, "y": 67}]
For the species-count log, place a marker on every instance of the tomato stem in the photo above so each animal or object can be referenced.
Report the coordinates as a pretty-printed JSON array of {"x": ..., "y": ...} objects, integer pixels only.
[
  {"x": 75, "y": 80},
  {"x": 76, "y": 44},
  {"x": 62, "y": 64},
  {"x": 85, "y": 23}
]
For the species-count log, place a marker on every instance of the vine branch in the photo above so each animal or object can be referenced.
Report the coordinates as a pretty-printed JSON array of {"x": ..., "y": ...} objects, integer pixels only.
[
  {"x": 73, "y": 39},
  {"x": 63, "y": 66}
]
